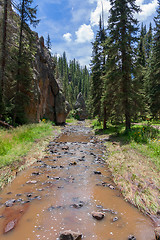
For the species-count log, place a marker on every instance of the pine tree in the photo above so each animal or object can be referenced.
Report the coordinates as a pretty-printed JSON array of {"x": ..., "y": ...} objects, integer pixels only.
[
  {"x": 148, "y": 42},
  {"x": 97, "y": 68},
  {"x": 3, "y": 58},
  {"x": 26, "y": 42},
  {"x": 48, "y": 42},
  {"x": 96, "y": 88},
  {"x": 123, "y": 29},
  {"x": 155, "y": 69}
]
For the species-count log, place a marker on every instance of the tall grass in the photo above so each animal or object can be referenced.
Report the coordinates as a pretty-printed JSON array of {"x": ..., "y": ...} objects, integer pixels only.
[
  {"x": 17, "y": 142},
  {"x": 143, "y": 137}
]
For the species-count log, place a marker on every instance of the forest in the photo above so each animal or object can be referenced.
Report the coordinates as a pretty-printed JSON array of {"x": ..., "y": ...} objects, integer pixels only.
[
  {"x": 122, "y": 84},
  {"x": 69, "y": 172},
  {"x": 125, "y": 67}
]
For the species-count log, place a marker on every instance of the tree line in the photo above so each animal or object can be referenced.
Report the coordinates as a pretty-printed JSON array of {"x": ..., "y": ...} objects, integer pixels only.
[
  {"x": 125, "y": 66},
  {"x": 17, "y": 50},
  {"x": 73, "y": 78}
]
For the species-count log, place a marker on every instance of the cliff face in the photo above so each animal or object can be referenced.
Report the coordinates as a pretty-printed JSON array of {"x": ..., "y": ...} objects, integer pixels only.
[{"x": 47, "y": 100}]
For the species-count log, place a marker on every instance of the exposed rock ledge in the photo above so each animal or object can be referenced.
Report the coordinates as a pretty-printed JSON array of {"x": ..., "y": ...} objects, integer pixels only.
[{"x": 47, "y": 101}]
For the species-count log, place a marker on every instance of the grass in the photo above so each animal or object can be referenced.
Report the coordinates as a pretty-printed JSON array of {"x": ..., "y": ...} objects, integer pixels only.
[
  {"x": 17, "y": 142},
  {"x": 134, "y": 160},
  {"x": 71, "y": 120}
]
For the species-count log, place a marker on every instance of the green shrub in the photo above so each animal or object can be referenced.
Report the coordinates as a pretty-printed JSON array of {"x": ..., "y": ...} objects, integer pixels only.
[{"x": 143, "y": 134}]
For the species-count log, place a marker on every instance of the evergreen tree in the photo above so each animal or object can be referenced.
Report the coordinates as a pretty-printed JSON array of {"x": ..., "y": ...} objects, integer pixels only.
[
  {"x": 73, "y": 78},
  {"x": 123, "y": 29},
  {"x": 3, "y": 58},
  {"x": 97, "y": 68},
  {"x": 155, "y": 69},
  {"x": 24, "y": 76},
  {"x": 148, "y": 42},
  {"x": 48, "y": 42},
  {"x": 141, "y": 47}
]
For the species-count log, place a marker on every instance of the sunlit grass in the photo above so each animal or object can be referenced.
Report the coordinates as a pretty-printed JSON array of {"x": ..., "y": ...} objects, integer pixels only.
[{"x": 17, "y": 142}]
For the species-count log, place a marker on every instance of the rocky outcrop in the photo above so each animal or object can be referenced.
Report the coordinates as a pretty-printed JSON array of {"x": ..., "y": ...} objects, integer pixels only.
[
  {"x": 47, "y": 100},
  {"x": 80, "y": 108}
]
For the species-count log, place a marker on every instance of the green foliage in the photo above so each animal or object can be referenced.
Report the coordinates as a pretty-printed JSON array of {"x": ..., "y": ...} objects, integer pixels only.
[
  {"x": 48, "y": 43},
  {"x": 17, "y": 142},
  {"x": 97, "y": 68},
  {"x": 143, "y": 134},
  {"x": 73, "y": 78}
]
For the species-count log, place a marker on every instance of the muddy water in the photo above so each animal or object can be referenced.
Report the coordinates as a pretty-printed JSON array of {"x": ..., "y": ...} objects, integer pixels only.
[{"x": 60, "y": 193}]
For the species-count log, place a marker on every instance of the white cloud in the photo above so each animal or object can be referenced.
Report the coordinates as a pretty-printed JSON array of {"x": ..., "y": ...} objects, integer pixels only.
[
  {"x": 79, "y": 14},
  {"x": 67, "y": 37},
  {"x": 84, "y": 34},
  {"x": 147, "y": 9},
  {"x": 95, "y": 15}
]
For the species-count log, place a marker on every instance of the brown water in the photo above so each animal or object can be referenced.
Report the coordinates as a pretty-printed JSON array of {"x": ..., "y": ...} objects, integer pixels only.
[{"x": 66, "y": 177}]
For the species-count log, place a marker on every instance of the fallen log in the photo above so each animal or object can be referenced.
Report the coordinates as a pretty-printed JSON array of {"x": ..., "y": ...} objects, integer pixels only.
[{"x": 5, "y": 125}]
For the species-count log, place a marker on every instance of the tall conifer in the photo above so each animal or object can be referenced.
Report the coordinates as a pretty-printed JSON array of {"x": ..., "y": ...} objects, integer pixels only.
[
  {"x": 155, "y": 69},
  {"x": 123, "y": 29}
]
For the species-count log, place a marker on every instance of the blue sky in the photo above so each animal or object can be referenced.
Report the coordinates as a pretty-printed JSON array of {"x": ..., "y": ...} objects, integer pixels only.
[{"x": 72, "y": 24}]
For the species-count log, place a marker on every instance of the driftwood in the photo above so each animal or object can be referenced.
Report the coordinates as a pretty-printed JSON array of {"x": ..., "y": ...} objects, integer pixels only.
[{"x": 5, "y": 125}]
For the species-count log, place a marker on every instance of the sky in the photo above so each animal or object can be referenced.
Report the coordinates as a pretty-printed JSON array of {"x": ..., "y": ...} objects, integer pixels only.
[{"x": 72, "y": 24}]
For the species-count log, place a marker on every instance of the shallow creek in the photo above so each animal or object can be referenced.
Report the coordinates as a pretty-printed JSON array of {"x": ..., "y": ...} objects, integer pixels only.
[{"x": 62, "y": 190}]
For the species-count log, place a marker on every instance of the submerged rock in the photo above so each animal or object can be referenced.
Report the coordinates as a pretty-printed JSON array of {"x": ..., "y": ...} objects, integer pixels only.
[
  {"x": 97, "y": 172},
  {"x": 10, "y": 203},
  {"x": 131, "y": 237},
  {"x": 98, "y": 215},
  {"x": 10, "y": 226},
  {"x": 70, "y": 235}
]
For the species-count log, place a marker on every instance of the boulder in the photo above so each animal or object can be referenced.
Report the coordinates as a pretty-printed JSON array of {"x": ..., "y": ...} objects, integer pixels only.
[
  {"x": 62, "y": 108},
  {"x": 70, "y": 235},
  {"x": 80, "y": 108}
]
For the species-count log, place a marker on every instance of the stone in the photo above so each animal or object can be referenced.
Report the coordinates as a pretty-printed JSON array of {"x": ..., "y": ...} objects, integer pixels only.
[
  {"x": 157, "y": 233},
  {"x": 31, "y": 182},
  {"x": 115, "y": 219},
  {"x": 10, "y": 226},
  {"x": 80, "y": 108},
  {"x": 97, "y": 172},
  {"x": 98, "y": 215},
  {"x": 77, "y": 206},
  {"x": 131, "y": 237},
  {"x": 10, "y": 202},
  {"x": 72, "y": 163},
  {"x": 36, "y": 173},
  {"x": 70, "y": 235}
]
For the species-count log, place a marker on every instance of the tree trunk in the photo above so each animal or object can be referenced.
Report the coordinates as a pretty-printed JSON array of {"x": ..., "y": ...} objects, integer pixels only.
[
  {"x": 104, "y": 118},
  {"x": 3, "y": 57}
]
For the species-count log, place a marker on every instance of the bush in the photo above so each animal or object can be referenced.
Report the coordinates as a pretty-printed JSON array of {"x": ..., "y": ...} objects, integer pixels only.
[{"x": 143, "y": 134}]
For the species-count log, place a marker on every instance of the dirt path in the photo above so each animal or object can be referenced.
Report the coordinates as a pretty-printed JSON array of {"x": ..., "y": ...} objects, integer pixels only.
[{"x": 61, "y": 191}]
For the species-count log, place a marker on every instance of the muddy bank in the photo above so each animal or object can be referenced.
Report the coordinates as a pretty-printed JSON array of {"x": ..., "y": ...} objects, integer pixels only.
[{"x": 71, "y": 188}]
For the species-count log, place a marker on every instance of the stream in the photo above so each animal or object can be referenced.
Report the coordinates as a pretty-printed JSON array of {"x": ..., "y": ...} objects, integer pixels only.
[{"x": 61, "y": 191}]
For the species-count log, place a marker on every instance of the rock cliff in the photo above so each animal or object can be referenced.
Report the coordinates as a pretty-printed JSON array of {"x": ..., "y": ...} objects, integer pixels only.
[{"x": 47, "y": 100}]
